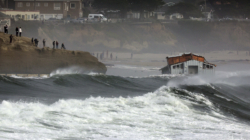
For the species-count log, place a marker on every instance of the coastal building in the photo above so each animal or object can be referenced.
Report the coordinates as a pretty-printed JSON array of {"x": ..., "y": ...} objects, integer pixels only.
[
  {"x": 51, "y": 8},
  {"x": 188, "y": 64},
  {"x": 25, "y": 15},
  {"x": 160, "y": 13}
]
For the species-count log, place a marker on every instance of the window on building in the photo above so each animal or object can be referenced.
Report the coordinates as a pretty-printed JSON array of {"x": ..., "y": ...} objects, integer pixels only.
[
  {"x": 182, "y": 66},
  {"x": 174, "y": 67},
  {"x": 28, "y": 4},
  {"x": 211, "y": 67},
  {"x": 19, "y": 4},
  {"x": 46, "y": 4},
  {"x": 178, "y": 66},
  {"x": 72, "y": 5},
  {"x": 28, "y": 17},
  {"x": 32, "y": 16},
  {"x": 207, "y": 66},
  {"x": 37, "y": 4},
  {"x": 57, "y": 6},
  {"x": 204, "y": 66}
]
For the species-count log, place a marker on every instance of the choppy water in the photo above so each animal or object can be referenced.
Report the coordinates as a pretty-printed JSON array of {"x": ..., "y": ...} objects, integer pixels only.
[{"x": 126, "y": 107}]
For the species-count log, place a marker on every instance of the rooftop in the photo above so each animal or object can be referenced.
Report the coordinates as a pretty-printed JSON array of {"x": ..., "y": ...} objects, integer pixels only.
[{"x": 185, "y": 57}]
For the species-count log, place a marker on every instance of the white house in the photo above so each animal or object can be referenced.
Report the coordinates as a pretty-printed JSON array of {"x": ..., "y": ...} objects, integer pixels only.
[{"x": 188, "y": 64}]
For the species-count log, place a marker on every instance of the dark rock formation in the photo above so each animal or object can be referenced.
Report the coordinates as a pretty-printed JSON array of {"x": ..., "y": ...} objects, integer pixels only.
[{"x": 23, "y": 57}]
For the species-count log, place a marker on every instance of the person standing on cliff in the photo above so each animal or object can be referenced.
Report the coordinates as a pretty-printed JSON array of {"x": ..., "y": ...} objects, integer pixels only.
[
  {"x": 11, "y": 37},
  {"x": 53, "y": 44},
  {"x": 44, "y": 42},
  {"x": 17, "y": 30},
  {"x": 20, "y": 31},
  {"x": 36, "y": 42},
  {"x": 57, "y": 44},
  {"x": 4, "y": 28},
  {"x": 7, "y": 30},
  {"x": 63, "y": 47}
]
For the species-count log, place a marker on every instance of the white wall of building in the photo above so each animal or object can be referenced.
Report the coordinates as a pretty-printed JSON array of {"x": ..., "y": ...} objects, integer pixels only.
[{"x": 25, "y": 15}]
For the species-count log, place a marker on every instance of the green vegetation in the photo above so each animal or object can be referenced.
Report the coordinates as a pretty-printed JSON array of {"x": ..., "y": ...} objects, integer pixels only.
[
  {"x": 125, "y": 5},
  {"x": 186, "y": 9}
]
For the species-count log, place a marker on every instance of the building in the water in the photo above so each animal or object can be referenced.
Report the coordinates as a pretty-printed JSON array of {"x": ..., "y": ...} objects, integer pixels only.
[{"x": 188, "y": 64}]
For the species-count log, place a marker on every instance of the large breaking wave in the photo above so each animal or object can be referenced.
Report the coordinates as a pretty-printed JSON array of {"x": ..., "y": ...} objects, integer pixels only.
[{"x": 93, "y": 106}]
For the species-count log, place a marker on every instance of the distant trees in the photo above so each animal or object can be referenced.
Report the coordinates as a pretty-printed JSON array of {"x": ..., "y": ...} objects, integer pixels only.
[
  {"x": 125, "y": 5},
  {"x": 122, "y": 5},
  {"x": 231, "y": 8},
  {"x": 145, "y": 5},
  {"x": 186, "y": 9}
]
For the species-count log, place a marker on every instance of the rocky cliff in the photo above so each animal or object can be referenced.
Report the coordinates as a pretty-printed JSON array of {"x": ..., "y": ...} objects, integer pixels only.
[{"x": 24, "y": 58}]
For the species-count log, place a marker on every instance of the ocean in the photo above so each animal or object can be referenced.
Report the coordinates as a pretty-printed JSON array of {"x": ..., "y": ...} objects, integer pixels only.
[{"x": 128, "y": 103}]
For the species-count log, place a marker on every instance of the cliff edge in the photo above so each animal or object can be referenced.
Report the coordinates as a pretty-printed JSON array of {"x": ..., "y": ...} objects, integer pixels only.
[{"x": 23, "y": 57}]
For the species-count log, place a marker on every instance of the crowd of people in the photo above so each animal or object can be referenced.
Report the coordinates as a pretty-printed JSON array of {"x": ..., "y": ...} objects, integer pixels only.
[
  {"x": 33, "y": 40},
  {"x": 18, "y": 32},
  {"x": 102, "y": 55},
  {"x": 54, "y": 43}
]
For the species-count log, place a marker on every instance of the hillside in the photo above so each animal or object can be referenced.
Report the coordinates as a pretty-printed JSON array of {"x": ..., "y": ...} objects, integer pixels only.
[{"x": 24, "y": 58}]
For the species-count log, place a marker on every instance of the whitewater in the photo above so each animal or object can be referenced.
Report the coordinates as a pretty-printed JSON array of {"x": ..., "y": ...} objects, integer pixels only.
[{"x": 129, "y": 103}]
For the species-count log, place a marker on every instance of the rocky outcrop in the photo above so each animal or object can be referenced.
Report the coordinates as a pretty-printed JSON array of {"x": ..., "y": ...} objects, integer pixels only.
[{"x": 24, "y": 58}]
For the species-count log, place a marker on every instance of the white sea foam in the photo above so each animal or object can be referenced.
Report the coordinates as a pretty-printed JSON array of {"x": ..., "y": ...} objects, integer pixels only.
[
  {"x": 220, "y": 77},
  {"x": 159, "y": 115},
  {"x": 72, "y": 70},
  {"x": 30, "y": 77},
  {"x": 135, "y": 67}
]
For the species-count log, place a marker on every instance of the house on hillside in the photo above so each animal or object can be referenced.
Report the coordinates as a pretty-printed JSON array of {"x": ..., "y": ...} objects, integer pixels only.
[
  {"x": 188, "y": 64},
  {"x": 25, "y": 15},
  {"x": 51, "y": 8},
  {"x": 4, "y": 20},
  {"x": 160, "y": 13}
]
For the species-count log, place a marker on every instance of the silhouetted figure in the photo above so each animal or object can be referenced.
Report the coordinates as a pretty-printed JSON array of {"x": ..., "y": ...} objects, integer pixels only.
[
  {"x": 63, "y": 47},
  {"x": 57, "y": 44},
  {"x": 54, "y": 43},
  {"x": 11, "y": 37},
  {"x": 17, "y": 31},
  {"x": 20, "y": 31},
  {"x": 102, "y": 55},
  {"x": 44, "y": 42},
  {"x": 111, "y": 56},
  {"x": 32, "y": 40},
  {"x": 7, "y": 29},
  {"x": 36, "y": 42},
  {"x": 4, "y": 29}
]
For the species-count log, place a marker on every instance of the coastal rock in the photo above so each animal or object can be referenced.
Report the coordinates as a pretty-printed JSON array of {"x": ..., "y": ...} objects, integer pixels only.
[{"x": 21, "y": 56}]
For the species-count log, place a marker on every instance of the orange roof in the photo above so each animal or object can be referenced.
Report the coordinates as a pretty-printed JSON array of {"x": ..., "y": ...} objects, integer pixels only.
[{"x": 186, "y": 57}]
